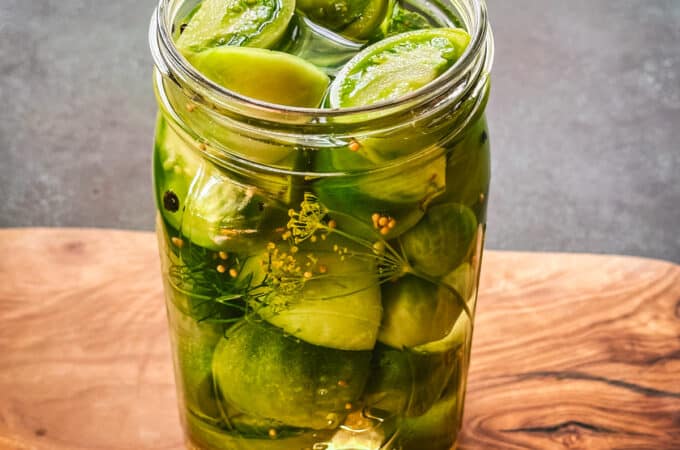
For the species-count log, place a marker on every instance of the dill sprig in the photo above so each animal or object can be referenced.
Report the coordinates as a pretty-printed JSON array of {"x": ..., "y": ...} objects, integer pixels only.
[
  {"x": 313, "y": 218},
  {"x": 219, "y": 292},
  {"x": 209, "y": 281}
]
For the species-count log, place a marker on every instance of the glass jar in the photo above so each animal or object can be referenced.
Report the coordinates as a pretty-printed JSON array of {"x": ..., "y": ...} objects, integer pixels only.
[{"x": 321, "y": 266}]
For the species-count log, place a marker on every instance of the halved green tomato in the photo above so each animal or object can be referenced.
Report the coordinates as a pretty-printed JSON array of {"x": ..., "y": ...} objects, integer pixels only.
[
  {"x": 403, "y": 20},
  {"x": 206, "y": 435},
  {"x": 205, "y": 205},
  {"x": 436, "y": 429},
  {"x": 407, "y": 381},
  {"x": 193, "y": 343},
  {"x": 252, "y": 23},
  {"x": 468, "y": 170},
  {"x": 356, "y": 19},
  {"x": 399, "y": 201},
  {"x": 441, "y": 240},
  {"x": 263, "y": 372},
  {"x": 369, "y": 20},
  {"x": 396, "y": 66},
  {"x": 416, "y": 312},
  {"x": 266, "y": 75},
  {"x": 332, "y": 300}
]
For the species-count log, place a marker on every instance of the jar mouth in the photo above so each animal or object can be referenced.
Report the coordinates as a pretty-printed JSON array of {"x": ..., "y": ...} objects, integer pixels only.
[{"x": 170, "y": 62}]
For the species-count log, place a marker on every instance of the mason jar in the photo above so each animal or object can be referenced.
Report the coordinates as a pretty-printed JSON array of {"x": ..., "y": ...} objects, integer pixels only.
[{"x": 321, "y": 265}]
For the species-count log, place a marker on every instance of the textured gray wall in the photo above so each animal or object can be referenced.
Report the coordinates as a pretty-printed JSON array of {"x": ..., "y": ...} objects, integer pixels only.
[{"x": 585, "y": 121}]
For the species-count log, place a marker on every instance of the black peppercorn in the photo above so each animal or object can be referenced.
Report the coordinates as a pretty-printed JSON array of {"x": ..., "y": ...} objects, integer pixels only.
[{"x": 170, "y": 201}]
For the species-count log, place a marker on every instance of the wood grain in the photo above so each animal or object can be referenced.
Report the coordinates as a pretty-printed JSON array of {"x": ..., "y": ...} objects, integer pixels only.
[{"x": 570, "y": 351}]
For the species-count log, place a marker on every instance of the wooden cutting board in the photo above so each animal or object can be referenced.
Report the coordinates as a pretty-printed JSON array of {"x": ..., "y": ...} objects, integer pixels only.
[{"x": 570, "y": 351}]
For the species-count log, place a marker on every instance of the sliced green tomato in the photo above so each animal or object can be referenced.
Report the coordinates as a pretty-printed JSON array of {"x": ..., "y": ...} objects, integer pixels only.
[
  {"x": 393, "y": 67},
  {"x": 208, "y": 436},
  {"x": 338, "y": 303},
  {"x": 332, "y": 14},
  {"x": 462, "y": 280},
  {"x": 436, "y": 429},
  {"x": 401, "y": 195},
  {"x": 368, "y": 22},
  {"x": 416, "y": 312},
  {"x": 452, "y": 341},
  {"x": 207, "y": 207},
  {"x": 193, "y": 344},
  {"x": 232, "y": 138},
  {"x": 266, "y": 75},
  {"x": 265, "y": 373},
  {"x": 252, "y": 23},
  {"x": 441, "y": 240},
  {"x": 406, "y": 381},
  {"x": 469, "y": 169},
  {"x": 403, "y": 20},
  {"x": 356, "y": 19}
]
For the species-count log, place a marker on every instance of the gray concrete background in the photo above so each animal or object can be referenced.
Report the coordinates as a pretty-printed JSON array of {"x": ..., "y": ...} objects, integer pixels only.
[{"x": 584, "y": 116}]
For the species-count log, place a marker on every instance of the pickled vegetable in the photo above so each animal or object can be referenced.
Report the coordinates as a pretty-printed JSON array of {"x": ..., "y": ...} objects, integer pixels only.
[
  {"x": 352, "y": 18},
  {"x": 256, "y": 23},
  {"x": 267, "y": 75},
  {"x": 468, "y": 169},
  {"x": 197, "y": 198},
  {"x": 442, "y": 240},
  {"x": 194, "y": 343},
  {"x": 416, "y": 311},
  {"x": 432, "y": 430},
  {"x": 408, "y": 382},
  {"x": 222, "y": 438},
  {"x": 337, "y": 303},
  {"x": 379, "y": 72},
  {"x": 266, "y": 373}
]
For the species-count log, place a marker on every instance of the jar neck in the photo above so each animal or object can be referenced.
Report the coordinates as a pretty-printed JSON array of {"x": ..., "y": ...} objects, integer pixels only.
[{"x": 458, "y": 95}]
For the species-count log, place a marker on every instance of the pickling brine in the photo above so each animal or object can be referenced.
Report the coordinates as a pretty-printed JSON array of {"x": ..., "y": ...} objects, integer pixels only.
[{"x": 321, "y": 173}]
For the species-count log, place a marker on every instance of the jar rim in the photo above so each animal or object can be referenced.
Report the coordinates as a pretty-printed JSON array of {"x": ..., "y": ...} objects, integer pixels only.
[{"x": 169, "y": 61}]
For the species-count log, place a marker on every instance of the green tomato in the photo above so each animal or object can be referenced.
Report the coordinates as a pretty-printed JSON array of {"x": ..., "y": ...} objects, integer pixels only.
[
  {"x": 266, "y": 75},
  {"x": 462, "y": 280},
  {"x": 416, "y": 312},
  {"x": 200, "y": 201},
  {"x": 399, "y": 197},
  {"x": 193, "y": 344},
  {"x": 333, "y": 300},
  {"x": 206, "y": 435},
  {"x": 356, "y": 19},
  {"x": 442, "y": 240},
  {"x": 468, "y": 170},
  {"x": 252, "y": 23},
  {"x": 436, "y": 429},
  {"x": 403, "y": 20},
  {"x": 265, "y": 373},
  {"x": 332, "y": 14},
  {"x": 379, "y": 72},
  {"x": 369, "y": 21},
  {"x": 407, "y": 381}
]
